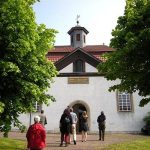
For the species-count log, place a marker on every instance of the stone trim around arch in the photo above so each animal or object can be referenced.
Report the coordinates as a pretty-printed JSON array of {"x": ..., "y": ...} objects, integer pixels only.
[{"x": 81, "y": 102}]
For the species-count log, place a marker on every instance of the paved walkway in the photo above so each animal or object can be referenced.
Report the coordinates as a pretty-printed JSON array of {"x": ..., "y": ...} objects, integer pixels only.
[{"x": 92, "y": 143}]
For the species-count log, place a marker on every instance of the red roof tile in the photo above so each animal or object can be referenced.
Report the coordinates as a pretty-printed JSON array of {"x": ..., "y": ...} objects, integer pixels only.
[
  {"x": 88, "y": 48},
  {"x": 60, "y": 51},
  {"x": 103, "y": 59},
  {"x": 54, "y": 58},
  {"x": 97, "y": 48}
]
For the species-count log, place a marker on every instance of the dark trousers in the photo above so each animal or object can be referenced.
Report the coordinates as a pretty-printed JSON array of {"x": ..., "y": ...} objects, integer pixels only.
[
  {"x": 101, "y": 134},
  {"x": 64, "y": 137}
]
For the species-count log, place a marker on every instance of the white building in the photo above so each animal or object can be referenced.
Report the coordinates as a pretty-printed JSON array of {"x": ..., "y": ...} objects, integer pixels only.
[{"x": 79, "y": 85}]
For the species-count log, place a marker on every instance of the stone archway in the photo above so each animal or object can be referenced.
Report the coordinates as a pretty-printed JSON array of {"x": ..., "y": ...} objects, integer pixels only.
[{"x": 78, "y": 109}]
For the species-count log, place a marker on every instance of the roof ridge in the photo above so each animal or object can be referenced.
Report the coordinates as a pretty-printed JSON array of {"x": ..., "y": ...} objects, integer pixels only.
[{"x": 62, "y": 46}]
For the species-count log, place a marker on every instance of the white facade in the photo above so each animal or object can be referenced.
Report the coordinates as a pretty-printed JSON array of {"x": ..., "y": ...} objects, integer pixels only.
[
  {"x": 82, "y": 88},
  {"x": 95, "y": 97}
]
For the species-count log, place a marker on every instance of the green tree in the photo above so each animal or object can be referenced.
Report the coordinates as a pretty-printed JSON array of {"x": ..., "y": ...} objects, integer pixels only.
[
  {"x": 146, "y": 119},
  {"x": 131, "y": 61},
  {"x": 25, "y": 72}
]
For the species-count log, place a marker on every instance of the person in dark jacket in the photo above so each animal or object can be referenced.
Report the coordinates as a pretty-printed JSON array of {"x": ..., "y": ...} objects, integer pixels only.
[
  {"x": 65, "y": 124},
  {"x": 36, "y": 135},
  {"x": 101, "y": 125}
]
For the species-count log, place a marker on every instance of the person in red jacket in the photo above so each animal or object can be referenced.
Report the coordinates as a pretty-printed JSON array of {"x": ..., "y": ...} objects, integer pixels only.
[{"x": 36, "y": 135}]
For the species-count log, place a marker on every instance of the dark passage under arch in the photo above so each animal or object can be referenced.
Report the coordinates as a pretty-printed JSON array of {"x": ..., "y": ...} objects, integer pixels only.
[{"x": 78, "y": 109}]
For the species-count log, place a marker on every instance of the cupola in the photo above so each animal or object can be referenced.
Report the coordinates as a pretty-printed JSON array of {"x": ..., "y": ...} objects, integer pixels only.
[{"x": 78, "y": 36}]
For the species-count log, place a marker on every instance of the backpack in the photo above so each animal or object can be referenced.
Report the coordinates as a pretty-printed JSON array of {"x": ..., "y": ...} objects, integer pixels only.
[{"x": 66, "y": 120}]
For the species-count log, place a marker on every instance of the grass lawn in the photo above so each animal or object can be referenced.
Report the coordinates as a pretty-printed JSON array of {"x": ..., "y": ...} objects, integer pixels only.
[
  {"x": 139, "y": 144},
  {"x": 11, "y": 144},
  {"x": 143, "y": 144}
]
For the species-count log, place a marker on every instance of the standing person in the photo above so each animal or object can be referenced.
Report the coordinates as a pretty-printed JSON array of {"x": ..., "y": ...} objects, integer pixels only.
[
  {"x": 84, "y": 125},
  {"x": 69, "y": 137},
  {"x": 65, "y": 124},
  {"x": 73, "y": 126},
  {"x": 101, "y": 125},
  {"x": 36, "y": 135},
  {"x": 43, "y": 119}
]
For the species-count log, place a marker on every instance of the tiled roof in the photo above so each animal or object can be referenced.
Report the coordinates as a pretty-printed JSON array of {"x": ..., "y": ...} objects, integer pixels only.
[
  {"x": 88, "y": 48},
  {"x": 63, "y": 50},
  {"x": 54, "y": 58},
  {"x": 97, "y": 48},
  {"x": 78, "y": 53},
  {"x": 100, "y": 58}
]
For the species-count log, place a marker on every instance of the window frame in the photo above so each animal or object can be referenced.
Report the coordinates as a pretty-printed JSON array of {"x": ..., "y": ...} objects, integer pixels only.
[
  {"x": 126, "y": 103},
  {"x": 75, "y": 66},
  {"x": 78, "y": 37}
]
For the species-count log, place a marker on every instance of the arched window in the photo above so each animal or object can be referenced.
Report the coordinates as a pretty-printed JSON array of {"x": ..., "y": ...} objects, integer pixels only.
[{"x": 78, "y": 66}]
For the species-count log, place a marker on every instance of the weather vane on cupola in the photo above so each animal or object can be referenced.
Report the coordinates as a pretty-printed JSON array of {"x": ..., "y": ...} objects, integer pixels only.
[{"x": 77, "y": 19}]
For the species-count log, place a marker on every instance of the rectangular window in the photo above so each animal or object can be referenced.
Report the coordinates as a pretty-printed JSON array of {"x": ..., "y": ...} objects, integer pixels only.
[
  {"x": 78, "y": 37},
  {"x": 124, "y": 101},
  {"x": 78, "y": 66}
]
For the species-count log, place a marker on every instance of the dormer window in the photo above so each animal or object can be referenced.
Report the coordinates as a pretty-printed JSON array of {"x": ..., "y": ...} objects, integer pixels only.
[
  {"x": 77, "y": 37},
  {"x": 79, "y": 66}
]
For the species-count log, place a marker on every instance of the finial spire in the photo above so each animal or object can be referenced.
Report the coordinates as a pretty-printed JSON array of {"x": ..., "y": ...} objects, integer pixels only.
[{"x": 77, "y": 19}]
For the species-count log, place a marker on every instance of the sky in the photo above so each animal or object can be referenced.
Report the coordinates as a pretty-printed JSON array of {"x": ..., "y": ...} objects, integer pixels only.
[{"x": 99, "y": 17}]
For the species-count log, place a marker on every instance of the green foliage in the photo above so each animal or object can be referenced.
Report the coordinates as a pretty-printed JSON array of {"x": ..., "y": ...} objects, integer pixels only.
[
  {"x": 147, "y": 119},
  {"x": 1, "y": 107},
  {"x": 25, "y": 72},
  {"x": 131, "y": 60}
]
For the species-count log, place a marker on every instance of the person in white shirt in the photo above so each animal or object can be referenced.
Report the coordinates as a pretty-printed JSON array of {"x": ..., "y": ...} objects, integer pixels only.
[
  {"x": 43, "y": 119},
  {"x": 74, "y": 122}
]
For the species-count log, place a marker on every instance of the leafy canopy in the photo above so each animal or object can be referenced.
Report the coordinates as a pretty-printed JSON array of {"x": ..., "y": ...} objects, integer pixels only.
[
  {"x": 25, "y": 72},
  {"x": 146, "y": 119},
  {"x": 131, "y": 61}
]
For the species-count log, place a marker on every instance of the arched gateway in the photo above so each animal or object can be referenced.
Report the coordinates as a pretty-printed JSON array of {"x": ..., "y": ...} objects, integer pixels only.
[{"x": 78, "y": 109}]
